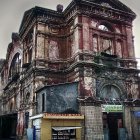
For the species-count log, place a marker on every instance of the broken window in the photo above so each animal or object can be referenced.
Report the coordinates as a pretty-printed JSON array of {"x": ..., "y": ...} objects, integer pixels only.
[
  {"x": 104, "y": 41},
  {"x": 107, "y": 45}
]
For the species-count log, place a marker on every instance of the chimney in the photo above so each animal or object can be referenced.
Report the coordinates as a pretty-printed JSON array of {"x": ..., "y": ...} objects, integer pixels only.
[{"x": 59, "y": 8}]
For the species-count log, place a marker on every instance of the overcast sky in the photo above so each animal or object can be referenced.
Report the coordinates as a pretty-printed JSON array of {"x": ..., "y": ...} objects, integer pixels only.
[{"x": 11, "y": 13}]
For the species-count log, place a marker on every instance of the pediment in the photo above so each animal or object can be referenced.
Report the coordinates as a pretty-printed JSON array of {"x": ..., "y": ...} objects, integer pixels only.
[
  {"x": 25, "y": 18},
  {"x": 113, "y": 4}
]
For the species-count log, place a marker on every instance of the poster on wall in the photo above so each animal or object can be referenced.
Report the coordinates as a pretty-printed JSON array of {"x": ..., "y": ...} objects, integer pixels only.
[{"x": 62, "y": 97}]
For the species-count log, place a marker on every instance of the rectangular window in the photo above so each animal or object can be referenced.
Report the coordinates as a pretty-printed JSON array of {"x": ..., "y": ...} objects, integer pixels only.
[
  {"x": 25, "y": 58},
  {"x": 43, "y": 102},
  {"x": 30, "y": 55}
]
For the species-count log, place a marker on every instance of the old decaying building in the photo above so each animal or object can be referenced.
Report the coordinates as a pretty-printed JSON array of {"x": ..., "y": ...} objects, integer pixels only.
[{"x": 72, "y": 74}]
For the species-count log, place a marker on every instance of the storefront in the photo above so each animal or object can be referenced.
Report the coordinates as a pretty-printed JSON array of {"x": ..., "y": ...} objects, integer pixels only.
[
  {"x": 113, "y": 122},
  {"x": 59, "y": 126}
]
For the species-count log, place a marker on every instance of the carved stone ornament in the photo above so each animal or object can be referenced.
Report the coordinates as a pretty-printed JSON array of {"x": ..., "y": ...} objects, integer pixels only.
[{"x": 106, "y": 4}]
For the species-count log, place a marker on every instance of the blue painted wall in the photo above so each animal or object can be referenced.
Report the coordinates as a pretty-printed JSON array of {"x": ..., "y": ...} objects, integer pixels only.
[{"x": 59, "y": 98}]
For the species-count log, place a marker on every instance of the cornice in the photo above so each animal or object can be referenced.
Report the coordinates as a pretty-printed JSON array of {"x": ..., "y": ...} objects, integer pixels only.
[
  {"x": 86, "y": 7},
  {"x": 129, "y": 12},
  {"x": 34, "y": 14}
]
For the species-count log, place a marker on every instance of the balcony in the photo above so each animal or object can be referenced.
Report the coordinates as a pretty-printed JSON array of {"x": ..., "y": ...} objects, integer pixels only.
[{"x": 113, "y": 61}]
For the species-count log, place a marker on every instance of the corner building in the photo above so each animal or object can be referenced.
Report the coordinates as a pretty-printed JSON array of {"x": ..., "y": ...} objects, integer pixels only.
[{"x": 72, "y": 74}]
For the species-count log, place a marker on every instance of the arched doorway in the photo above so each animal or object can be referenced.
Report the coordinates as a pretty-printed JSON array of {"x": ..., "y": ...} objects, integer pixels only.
[
  {"x": 110, "y": 92},
  {"x": 112, "y": 111}
]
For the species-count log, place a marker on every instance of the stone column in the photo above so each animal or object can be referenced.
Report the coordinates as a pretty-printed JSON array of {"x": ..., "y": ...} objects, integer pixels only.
[
  {"x": 130, "y": 43},
  {"x": 128, "y": 121},
  {"x": 93, "y": 119}
]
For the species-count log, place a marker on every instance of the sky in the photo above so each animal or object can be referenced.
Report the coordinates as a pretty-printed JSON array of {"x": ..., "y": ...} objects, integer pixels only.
[{"x": 11, "y": 14}]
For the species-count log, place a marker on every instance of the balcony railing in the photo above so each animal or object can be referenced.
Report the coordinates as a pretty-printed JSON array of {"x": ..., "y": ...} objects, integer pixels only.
[{"x": 114, "y": 61}]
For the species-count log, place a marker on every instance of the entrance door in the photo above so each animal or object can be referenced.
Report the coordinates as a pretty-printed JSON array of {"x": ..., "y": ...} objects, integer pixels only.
[
  {"x": 8, "y": 126},
  {"x": 114, "y": 121}
]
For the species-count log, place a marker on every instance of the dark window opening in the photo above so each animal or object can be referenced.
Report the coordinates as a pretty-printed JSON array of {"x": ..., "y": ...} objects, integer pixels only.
[
  {"x": 15, "y": 66},
  {"x": 43, "y": 102}
]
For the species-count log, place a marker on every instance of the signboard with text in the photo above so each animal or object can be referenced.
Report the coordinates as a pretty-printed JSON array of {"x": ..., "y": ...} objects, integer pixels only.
[
  {"x": 112, "y": 108},
  {"x": 62, "y": 116}
]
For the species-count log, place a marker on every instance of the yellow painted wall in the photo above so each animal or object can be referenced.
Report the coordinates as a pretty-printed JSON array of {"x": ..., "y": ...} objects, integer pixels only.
[{"x": 46, "y": 127}]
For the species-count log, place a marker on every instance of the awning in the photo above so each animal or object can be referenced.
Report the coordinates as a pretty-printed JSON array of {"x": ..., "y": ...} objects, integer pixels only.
[
  {"x": 64, "y": 128},
  {"x": 36, "y": 117}
]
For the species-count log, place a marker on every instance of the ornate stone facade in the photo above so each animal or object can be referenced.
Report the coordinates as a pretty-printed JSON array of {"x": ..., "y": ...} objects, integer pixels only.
[{"x": 90, "y": 42}]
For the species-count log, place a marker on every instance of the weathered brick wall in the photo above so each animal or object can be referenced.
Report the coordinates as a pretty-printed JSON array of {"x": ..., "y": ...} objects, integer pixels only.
[{"x": 93, "y": 122}]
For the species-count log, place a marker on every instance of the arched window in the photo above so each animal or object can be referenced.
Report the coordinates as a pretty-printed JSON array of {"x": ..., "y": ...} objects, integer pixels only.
[
  {"x": 27, "y": 98},
  {"x": 110, "y": 92},
  {"x": 105, "y": 27},
  {"x": 105, "y": 42},
  {"x": 27, "y": 48},
  {"x": 11, "y": 106},
  {"x": 15, "y": 65}
]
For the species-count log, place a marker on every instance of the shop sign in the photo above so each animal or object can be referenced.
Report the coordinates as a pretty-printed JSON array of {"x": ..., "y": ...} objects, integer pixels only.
[
  {"x": 112, "y": 108},
  {"x": 137, "y": 113},
  {"x": 62, "y": 116},
  {"x": 52, "y": 114}
]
